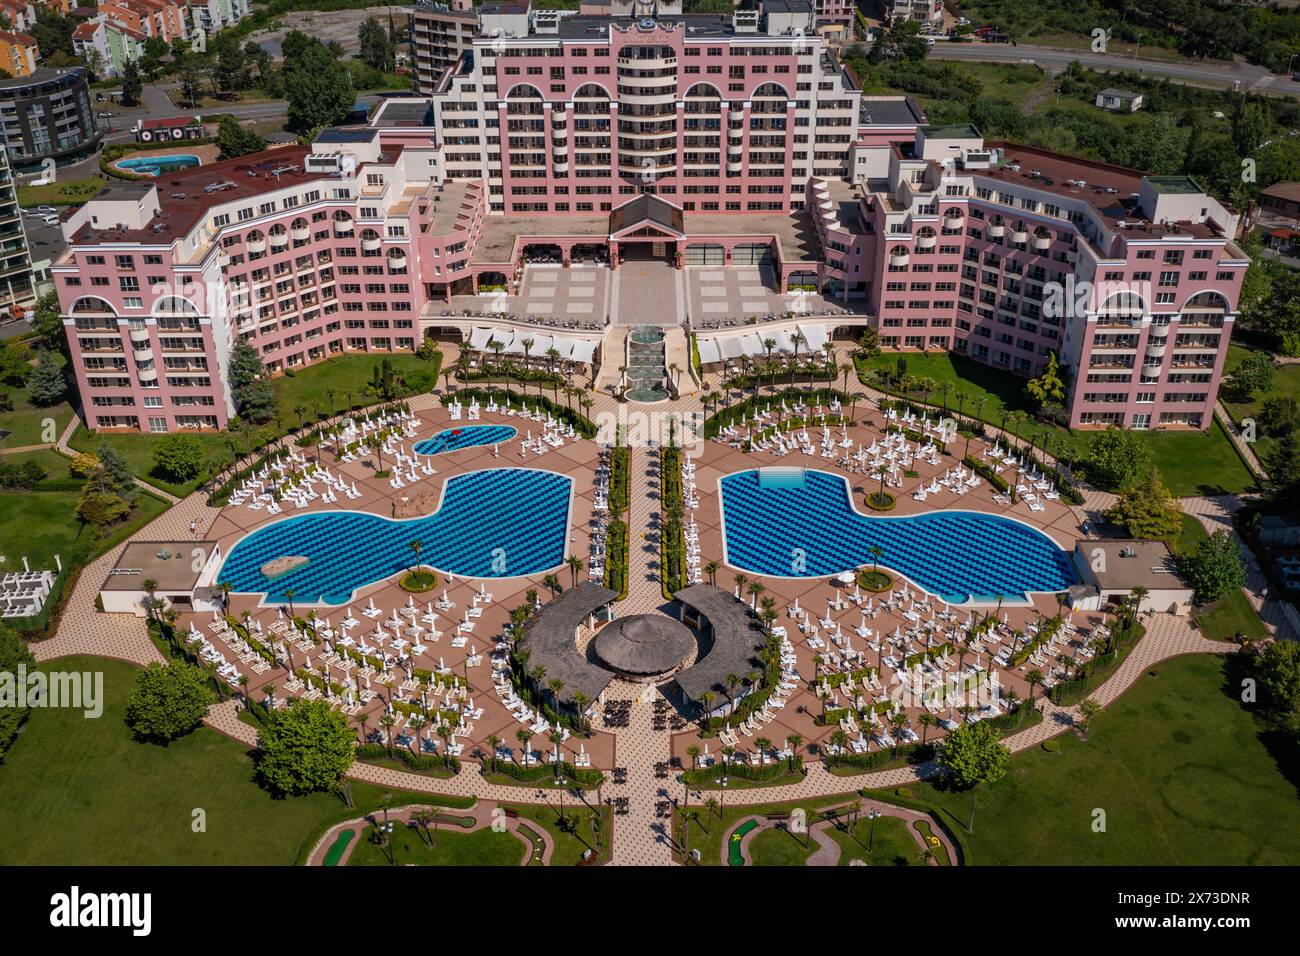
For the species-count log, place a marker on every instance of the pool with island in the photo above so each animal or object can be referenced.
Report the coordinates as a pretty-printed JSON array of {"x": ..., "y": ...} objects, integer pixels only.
[
  {"x": 808, "y": 527},
  {"x": 495, "y": 523}
]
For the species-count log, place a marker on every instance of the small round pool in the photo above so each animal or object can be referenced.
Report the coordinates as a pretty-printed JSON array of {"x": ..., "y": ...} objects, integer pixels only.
[{"x": 157, "y": 165}]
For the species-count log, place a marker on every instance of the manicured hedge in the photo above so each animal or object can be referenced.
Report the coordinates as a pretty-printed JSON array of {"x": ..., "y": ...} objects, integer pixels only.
[{"x": 581, "y": 424}]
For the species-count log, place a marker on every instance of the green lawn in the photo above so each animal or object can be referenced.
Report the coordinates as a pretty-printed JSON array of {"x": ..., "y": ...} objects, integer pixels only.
[
  {"x": 706, "y": 831},
  {"x": 1190, "y": 462},
  {"x": 1229, "y": 615},
  {"x": 1181, "y": 769},
  {"x": 40, "y": 524},
  {"x": 1286, "y": 381},
  {"x": 27, "y": 423},
  {"x": 137, "y": 448},
  {"x": 408, "y": 848},
  {"x": 892, "y": 845},
  {"x": 80, "y": 792},
  {"x": 63, "y": 192},
  {"x": 776, "y": 846},
  {"x": 569, "y": 846}
]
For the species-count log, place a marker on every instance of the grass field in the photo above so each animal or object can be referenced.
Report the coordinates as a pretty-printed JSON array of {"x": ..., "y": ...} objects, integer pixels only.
[
  {"x": 137, "y": 448},
  {"x": 63, "y": 192},
  {"x": 40, "y": 524},
  {"x": 82, "y": 792},
  {"x": 1190, "y": 462},
  {"x": 1229, "y": 615},
  {"x": 451, "y": 848},
  {"x": 1179, "y": 767},
  {"x": 1286, "y": 381},
  {"x": 27, "y": 423},
  {"x": 891, "y": 845},
  {"x": 569, "y": 846}
]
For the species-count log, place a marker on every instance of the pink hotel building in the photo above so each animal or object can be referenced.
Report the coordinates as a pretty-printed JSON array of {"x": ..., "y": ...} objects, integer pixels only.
[{"x": 702, "y": 140}]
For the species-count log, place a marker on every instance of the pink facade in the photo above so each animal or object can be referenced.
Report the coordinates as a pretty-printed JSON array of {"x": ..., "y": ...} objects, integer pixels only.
[{"x": 299, "y": 265}]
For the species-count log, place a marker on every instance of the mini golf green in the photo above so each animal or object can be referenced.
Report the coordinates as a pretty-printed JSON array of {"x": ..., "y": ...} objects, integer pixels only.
[
  {"x": 340, "y": 845},
  {"x": 733, "y": 845}
]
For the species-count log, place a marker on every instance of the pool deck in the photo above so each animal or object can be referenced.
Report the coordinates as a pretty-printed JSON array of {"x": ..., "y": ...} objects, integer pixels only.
[{"x": 577, "y": 459}]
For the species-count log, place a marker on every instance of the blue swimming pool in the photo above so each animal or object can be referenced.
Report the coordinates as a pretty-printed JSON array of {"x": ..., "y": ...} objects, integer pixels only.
[
  {"x": 466, "y": 436},
  {"x": 810, "y": 529},
  {"x": 496, "y": 523},
  {"x": 157, "y": 165}
]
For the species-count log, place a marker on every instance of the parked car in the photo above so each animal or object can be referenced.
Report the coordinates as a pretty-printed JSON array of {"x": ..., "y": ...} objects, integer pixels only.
[
  {"x": 105, "y": 114},
  {"x": 50, "y": 220},
  {"x": 47, "y": 210}
]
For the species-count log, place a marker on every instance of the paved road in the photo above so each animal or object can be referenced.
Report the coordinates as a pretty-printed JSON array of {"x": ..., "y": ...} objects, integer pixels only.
[{"x": 1223, "y": 76}]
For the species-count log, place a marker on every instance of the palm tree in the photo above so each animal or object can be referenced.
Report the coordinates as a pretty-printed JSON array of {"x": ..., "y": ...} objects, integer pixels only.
[
  {"x": 693, "y": 751},
  {"x": 794, "y": 740},
  {"x": 525, "y": 738},
  {"x": 444, "y": 731},
  {"x": 288, "y": 598},
  {"x": 876, "y": 552},
  {"x": 580, "y": 702},
  {"x": 151, "y": 589},
  {"x": 417, "y": 546},
  {"x": 1138, "y": 594},
  {"x": 552, "y": 583},
  {"x": 899, "y": 720},
  {"x": 556, "y": 685},
  {"x": 416, "y": 722},
  {"x": 927, "y": 721},
  {"x": 755, "y": 589},
  {"x": 243, "y": 685},
  {"x": 840, "y": 738},
  {"x": 528, "y": 348},
  {"x": 575, "y": 565},
  {"x": 706, "y": 701},
  {"x": 740, "y": 580},
  {"x": 386, "y": 721},
  {"x": 731, "y": 680},
  {"x": 711, "y": 569},
  {"x": 1034, "y": 678}
]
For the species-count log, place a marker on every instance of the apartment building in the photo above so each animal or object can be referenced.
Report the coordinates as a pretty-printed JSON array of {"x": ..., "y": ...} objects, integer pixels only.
[
  {"x": 16, "y": 285},
  {"x": 575, "y": 113},
  {"x": 166, "y": 19},
  {"x": 1007, "y": 253},
  {"x": 922, "y": 11},
  {"x": 47, "y": 115},
  {"x": 302, "y": 254},
  {"x": 115, "y": 44},
  {"x": 440, "y": 35},
  {"x": 19, "y": 53},
  {"x": 20, "y": 13},
  {"x": 694, "y": 140},
  {"x": 210, "y": 16}
]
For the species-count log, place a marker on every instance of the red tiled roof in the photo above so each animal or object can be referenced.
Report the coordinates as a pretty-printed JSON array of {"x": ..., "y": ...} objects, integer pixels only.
[{"x": 1287, "y": 191}]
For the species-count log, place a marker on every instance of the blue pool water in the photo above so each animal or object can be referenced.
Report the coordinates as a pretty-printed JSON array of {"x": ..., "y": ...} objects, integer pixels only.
[
  {"x": 811, "y": 529},
  {"x": 468, "y": 436},
  {"x": 157, "y": 165},
  {"x": 496, "y": 523}
]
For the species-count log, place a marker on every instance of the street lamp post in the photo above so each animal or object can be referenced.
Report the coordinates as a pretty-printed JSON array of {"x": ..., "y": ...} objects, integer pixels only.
[{"x": 872, "y": 815}]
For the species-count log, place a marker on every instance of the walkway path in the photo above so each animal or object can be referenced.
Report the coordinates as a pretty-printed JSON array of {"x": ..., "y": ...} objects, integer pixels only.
[{"x": 1243, "y": 446}]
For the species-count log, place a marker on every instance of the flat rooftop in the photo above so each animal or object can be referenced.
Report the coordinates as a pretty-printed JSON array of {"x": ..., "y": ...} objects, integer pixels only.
[
  {"x": 1131, "y": 563},
  {"x": 1111, "y": 190},
  {"x": 889, "y": 111},
  {"x": 169, "y": 563},
  {"x": 184, "y": 197},
  {"x": 403, "y": 113},
  {"x": 594, "y": 27}
]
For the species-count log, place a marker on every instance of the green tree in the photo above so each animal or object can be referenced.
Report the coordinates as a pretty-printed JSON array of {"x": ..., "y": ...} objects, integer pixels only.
[
  {"x": 114, "y": 474},
  {"x": 100, "y": 509},
  {"x": 168, "y": 701},
  {"x": 1115, "y": 457},
  {"x": 1048, "y": 388},
  {"x": 377, "y": 47},
  {"x": 1148, "y": 510},
  {"x": 13, "y": 653},
  {"x": 46, "y": 382},
  {"x": 304, "y": 748},
  {"x": 234, "y": 140},
  {"x": 972, "y": 754},
  {"x": 47, "y": 323},
  {"x": 1279, "y": 415},
  {"x": 1214, "y": 567},
  {"x": 1283, "y": 464},
  {"x": 178, "y": 457},
  {"x": 319, "y": 90},
  {"x": 1254, "y": 374},
  {"x": 132, "y": 85},
  {"x": 1278, "y": 673},
  {"x": 252, "y": 394}
]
